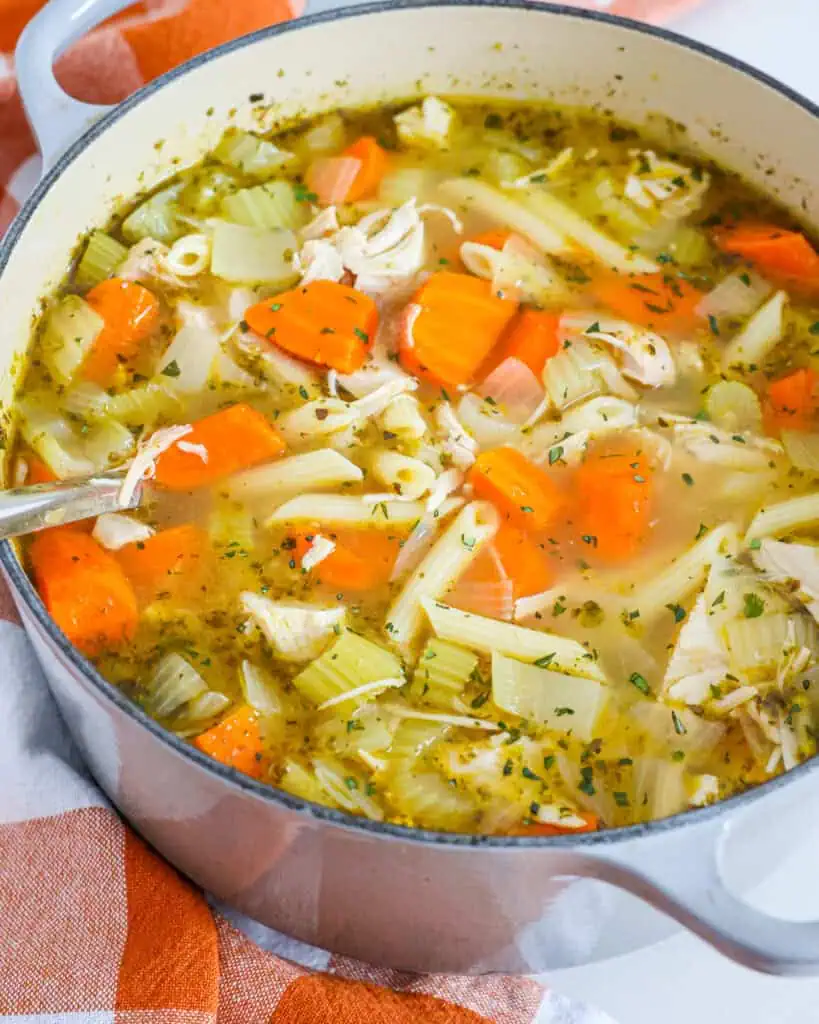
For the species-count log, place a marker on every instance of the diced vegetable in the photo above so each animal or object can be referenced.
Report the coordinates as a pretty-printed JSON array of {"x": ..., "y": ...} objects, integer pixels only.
[
  {"x": 230, "y": 440},
  {"x": 350, "y": 664},
  {"x": 362, "y": 559},
  {"x": 530, "y": 337},
  {"x": 237, "y": 742},
  {"x": 251, "y": 255},
  {"x": 84, "y": 590},
  {"x": 155, "y": 218},
  {"x": 163, "y": 564},
  {"x": 259, "y": 690},
  {"x": 250, "y": 154},
  {"x": 272, "y": 205},
  {"x": 373, "y": 165},
  {"x": 324, "y": 323},
  {"x": 524, "y": 561},
  {"x": 523, "y": 493},
  {"x": 782, "y": 255},
  {"x": 569, "y": 704},
  {"x": 71, "y": 330},
  {"x": 109, "y": 444},
  {"x": 103, "y": 254},
  {"x": 442, "y": 673},
  {"x": 614, "y": 500},
  {"x": 793, "y": 401},
  {"x": 52, "y": 437},
  {"x": 659, "y": 300},
  {"x": 454, "y": 322},
  {"x": 174, "y": 682},
  {"x": 130, "y": 314},
  {"x": 734, "y": 407}
]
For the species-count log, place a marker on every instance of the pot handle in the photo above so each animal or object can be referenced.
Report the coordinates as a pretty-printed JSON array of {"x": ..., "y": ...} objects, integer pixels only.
[
  {"x": 686, "y": 881},
  {"x": 56, "y": 118}
]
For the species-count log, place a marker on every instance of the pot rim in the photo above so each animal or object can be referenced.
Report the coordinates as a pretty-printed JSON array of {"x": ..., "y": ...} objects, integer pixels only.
[{"x": 24, "y": 588}]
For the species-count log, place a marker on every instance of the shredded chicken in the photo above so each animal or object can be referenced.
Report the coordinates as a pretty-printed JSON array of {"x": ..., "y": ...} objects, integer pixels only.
[
  {"x": 698, "y": 661},
  {"x": 143, "y": 465},
  {"x": 295, "y": 632},
  {"x": 645, "y": 356},
  {"x": 791, "y": 563}
]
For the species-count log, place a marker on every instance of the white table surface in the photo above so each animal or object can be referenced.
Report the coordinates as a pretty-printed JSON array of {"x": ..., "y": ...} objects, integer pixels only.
[{"x": 682, "y": 981}]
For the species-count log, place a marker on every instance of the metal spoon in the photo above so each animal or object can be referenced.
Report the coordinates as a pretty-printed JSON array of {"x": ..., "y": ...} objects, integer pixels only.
[{"x": 28, "y": 509}]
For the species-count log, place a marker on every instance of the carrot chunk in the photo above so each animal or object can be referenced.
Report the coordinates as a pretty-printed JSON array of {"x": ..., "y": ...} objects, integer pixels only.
[
  {"x": 362, "y": 559},
  {"x": 538, "y": 829},
  {"x": 38, "y": 471},
  {"x": 131, "y": 314},
  {"x": 495, "y": 238},
  {"x": 232, "y": 439},
  {"x": 165, "y": 562},
  {"x": 651, "y": 300},
  {"x": 84, "y": 589},
  {"x": 374, "y": 162},
  {"x": 784, "y": 256},
  {"x": 792, "y": 401},
  {"x": 237, "y": 742},
  {"x": 613, "y": 495},
  {"x": 524, "y": 561},
  {"x": 530, "y": 337},
  {"x": 458, "y": 323},
  {"x": 520, "y": 490},
  {"x": 324, "y": 322}
]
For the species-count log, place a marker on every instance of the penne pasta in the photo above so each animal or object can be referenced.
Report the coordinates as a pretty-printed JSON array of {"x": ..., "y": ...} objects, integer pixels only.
[
  {"x": 311, "y": 471},
  {"x": 348, "y": 509},
  {"x": 459, "y": 545}
]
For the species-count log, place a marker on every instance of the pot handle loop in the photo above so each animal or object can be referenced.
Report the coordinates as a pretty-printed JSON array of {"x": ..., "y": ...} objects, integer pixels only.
[
  {"x": 686, "y": 881},
  {"x": 56, "y": 118}
]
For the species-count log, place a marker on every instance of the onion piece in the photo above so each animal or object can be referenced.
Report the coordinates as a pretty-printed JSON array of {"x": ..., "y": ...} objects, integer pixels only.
[
  {"x": 495, "y": 600},
  {"x": 513, "y": 386},
  {"x": 331, "y": 178},
  {"x": 739, "y": 294}
]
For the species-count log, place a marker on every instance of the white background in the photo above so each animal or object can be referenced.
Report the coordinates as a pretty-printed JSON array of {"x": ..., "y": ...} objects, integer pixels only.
[{"x": 682, "y": 981}]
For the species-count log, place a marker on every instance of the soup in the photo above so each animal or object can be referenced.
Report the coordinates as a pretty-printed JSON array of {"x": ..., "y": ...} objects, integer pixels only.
[{"x": 479, "y": 448}]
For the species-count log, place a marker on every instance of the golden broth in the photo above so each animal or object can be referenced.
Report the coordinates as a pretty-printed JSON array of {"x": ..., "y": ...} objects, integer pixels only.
[{"x": 657, "y": 735}]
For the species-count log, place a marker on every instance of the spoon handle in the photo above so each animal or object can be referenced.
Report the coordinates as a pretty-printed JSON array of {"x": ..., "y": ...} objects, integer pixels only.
[{"x": 27, "y": 509}]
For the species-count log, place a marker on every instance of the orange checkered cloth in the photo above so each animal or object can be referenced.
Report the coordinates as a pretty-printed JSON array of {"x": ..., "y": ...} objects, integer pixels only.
[{"x": 94, "y": 926}]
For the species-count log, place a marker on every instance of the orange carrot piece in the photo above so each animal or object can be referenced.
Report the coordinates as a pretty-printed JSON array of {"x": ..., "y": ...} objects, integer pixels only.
[
  {"x": 792, "y": 401},
  {"x": 537, "y": 829},
  {"x": 237, "y": 742},
  {"x": 324, "y": 322},
  {"x": 495, "y": 238},
  {"x": 520, "y": 490},
  {"x": 131, "y": 314},
  {"x": 232, "y": 439},
  {"x": 784, "y": 256},
  {"x": 613, "y": 501},
  {"x": 531, "y": 337},
  {"x": 651, "y": 300},
  {"x": 362, "y": 560},
  {"x": 374, "y": 162},
  {"x": 38, "y": 471},
  {"x": 84, "y": 589},
  {"x": 162, "y": 564},
  {"x": 459, "y": 323},
  {"x": 524, "y": 561}
]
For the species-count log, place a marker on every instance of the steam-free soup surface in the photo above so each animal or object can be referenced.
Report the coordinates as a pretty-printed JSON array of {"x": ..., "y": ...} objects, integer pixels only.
[{"x": 481, "y": 447}]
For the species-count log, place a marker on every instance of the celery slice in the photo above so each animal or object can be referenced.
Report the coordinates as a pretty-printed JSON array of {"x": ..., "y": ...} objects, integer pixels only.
[
  {"x": 350, "y": 664},
  {"x": 272, "y": 205},
  {"x": 253, "y": 255},
  {"x": 156, "y": 217},
  {"x": 71, "y": 328},
  {"x": 442, "y": 673},
  {"x": 250, "y": 154},
  {"x": 102, "y": 255}
]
